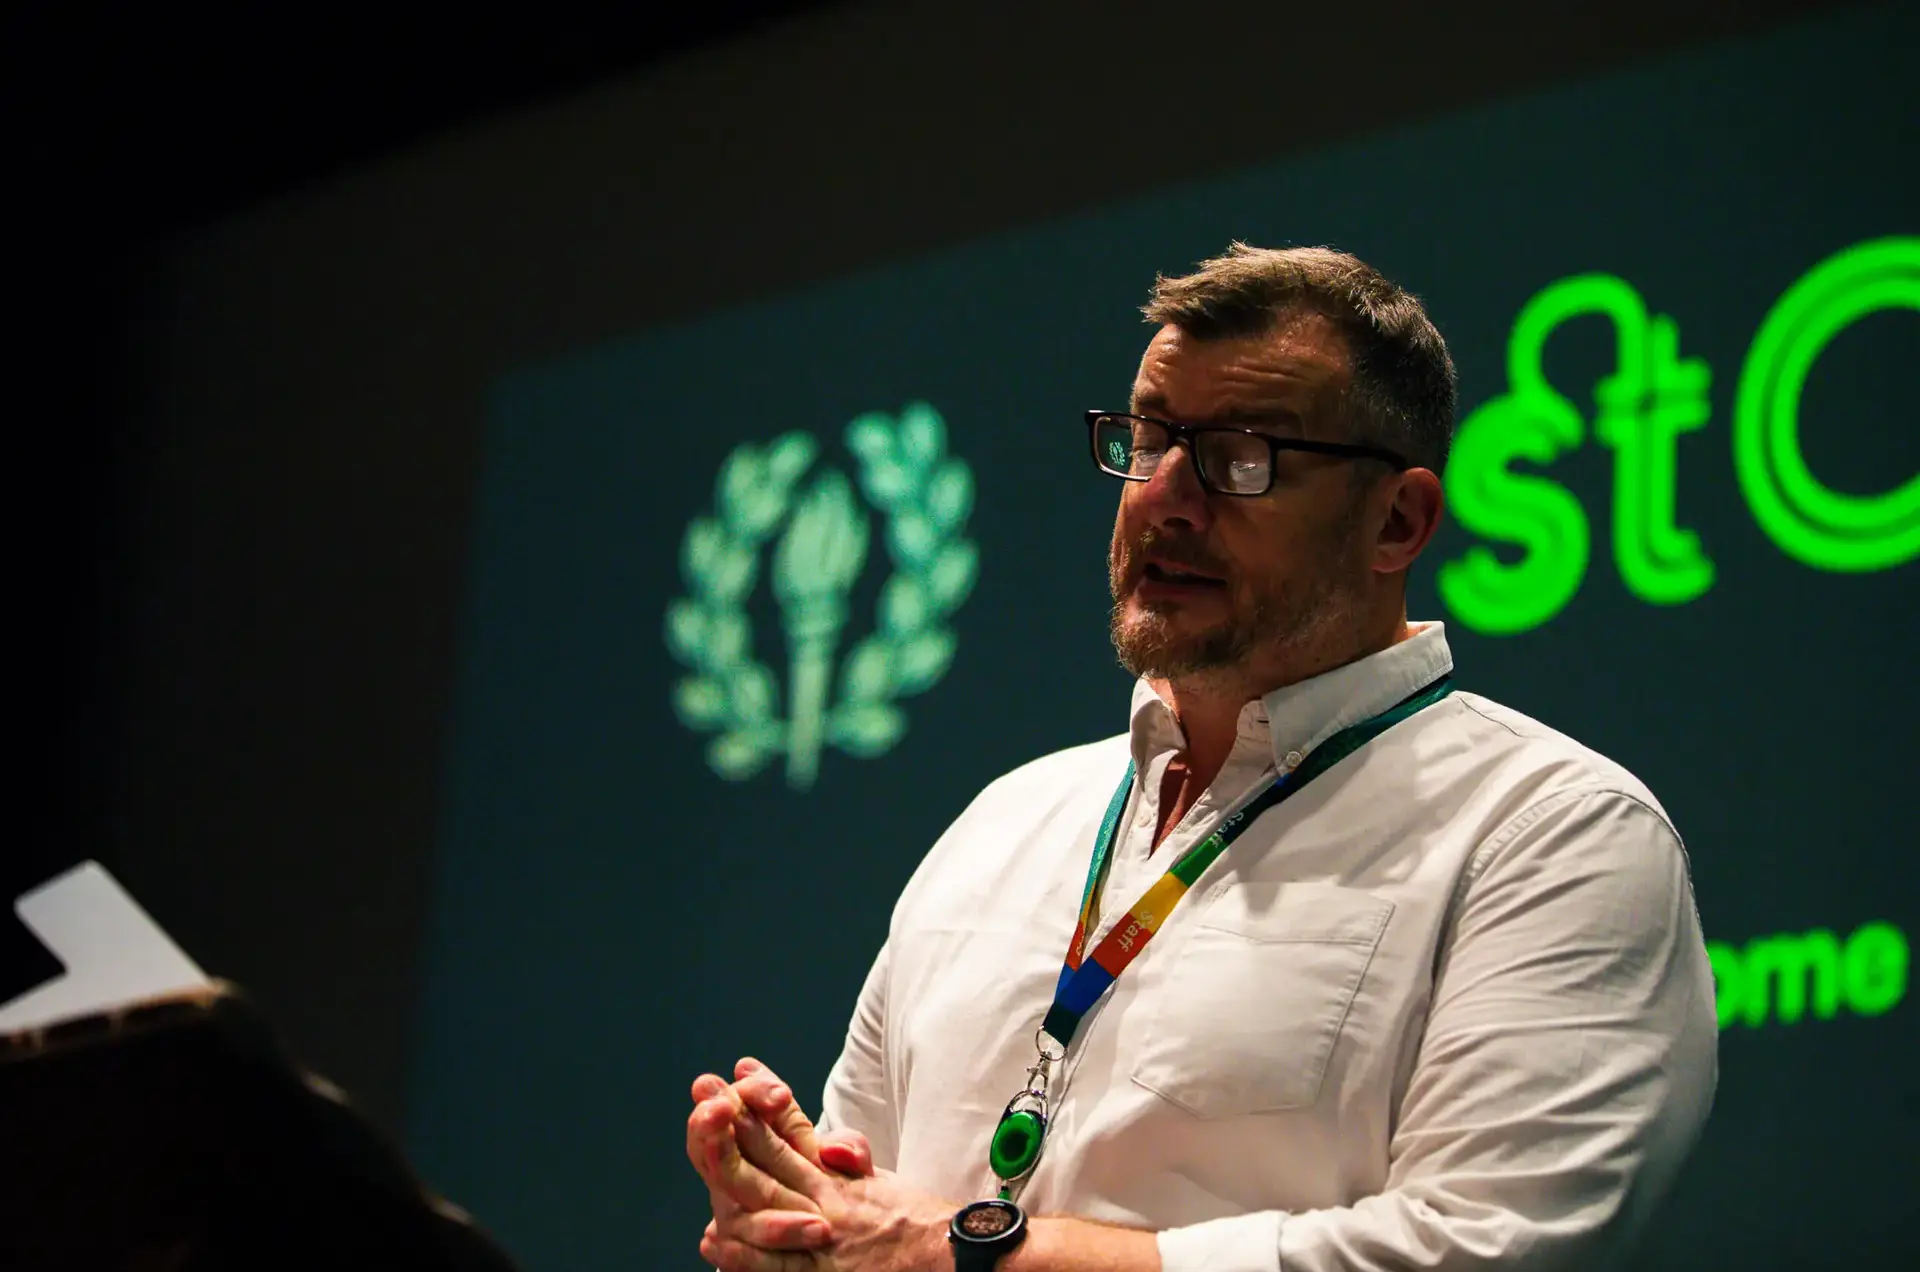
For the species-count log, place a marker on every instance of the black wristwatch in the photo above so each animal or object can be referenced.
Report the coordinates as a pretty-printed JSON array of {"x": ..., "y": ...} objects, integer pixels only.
[{"x": 984, "y": 1232}]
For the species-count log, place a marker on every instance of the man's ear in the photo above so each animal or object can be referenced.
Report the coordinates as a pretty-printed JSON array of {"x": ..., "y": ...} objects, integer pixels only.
[{"x": 1414, "y": 505}]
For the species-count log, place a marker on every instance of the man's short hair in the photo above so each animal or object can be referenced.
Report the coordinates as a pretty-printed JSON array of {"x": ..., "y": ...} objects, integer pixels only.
[{"x": 1402, "y": 396}]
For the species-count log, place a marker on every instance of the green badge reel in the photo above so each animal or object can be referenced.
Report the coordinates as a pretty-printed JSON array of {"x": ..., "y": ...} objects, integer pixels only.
[
  {"x": 1017, "y": 1141},
  {"x": 1015, "y": 1148}
]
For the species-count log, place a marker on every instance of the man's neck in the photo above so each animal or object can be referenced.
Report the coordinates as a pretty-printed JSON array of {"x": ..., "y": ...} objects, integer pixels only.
[{"x": 1208, "y": 706}]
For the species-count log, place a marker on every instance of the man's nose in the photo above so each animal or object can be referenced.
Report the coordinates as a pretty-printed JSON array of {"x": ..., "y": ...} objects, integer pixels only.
[{"x": 1173, "y": 496}]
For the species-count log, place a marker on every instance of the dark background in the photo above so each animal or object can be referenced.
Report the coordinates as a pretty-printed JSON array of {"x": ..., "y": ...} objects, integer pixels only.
[{"x": 266, "y": 274}]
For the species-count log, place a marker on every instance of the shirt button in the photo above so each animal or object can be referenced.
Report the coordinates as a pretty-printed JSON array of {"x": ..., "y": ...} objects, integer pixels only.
[{"x": 1293, "y": 760}]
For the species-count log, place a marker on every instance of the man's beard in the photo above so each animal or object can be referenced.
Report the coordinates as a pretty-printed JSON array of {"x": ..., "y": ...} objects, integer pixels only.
[{"x": 1277, "y": 615}]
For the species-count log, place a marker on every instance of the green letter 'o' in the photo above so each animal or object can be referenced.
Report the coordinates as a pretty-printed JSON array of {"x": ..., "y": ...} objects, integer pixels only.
[{"x": 1818, "y": 526}]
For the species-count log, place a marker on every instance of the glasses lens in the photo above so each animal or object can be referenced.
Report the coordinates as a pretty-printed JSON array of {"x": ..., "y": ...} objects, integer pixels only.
[
  {"x": 1127, "y": 447},
  {"x": 1238, "y": 463}
]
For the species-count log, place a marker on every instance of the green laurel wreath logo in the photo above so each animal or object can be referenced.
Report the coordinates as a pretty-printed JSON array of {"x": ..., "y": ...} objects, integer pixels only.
[{"x": 926, "y": 496}]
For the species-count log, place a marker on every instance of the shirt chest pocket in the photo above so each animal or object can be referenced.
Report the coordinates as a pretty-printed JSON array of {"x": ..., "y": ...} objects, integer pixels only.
[{"x": 1252, "y": 1001}]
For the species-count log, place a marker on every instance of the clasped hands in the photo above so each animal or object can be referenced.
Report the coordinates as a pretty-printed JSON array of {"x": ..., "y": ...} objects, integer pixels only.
[{"x": 789, "y": 1199}]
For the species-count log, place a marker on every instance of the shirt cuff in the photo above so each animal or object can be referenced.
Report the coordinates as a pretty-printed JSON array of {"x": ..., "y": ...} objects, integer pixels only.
[{"x": 1238, "y": 1243}]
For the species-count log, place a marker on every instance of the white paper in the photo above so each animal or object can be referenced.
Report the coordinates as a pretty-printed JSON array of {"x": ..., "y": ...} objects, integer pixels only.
[{"x": 113, "y": 950}]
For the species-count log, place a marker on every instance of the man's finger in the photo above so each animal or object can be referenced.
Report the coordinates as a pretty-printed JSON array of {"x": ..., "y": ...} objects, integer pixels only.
[
  {"x": 715, "y": 1153},
  {"x": 735, "y": 1256},
  {"x": 775, "y": 1229},
  {"x": 706, "y": 1087},
  {"x": 763, "y": 1091},
  {"x": 773, "y": 1101},
  {"x": 723, "y": 1206},
  {"x": 847, "y": 1152},
  {"x": 768, "y": 1152}
]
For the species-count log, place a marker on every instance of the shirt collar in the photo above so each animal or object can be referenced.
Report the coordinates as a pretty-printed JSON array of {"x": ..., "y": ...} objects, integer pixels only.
[{"x": 1295, "y": 719}]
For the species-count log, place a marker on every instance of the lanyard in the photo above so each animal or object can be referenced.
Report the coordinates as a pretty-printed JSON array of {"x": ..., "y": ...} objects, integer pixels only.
[{"x": 1015, "y": 1149}]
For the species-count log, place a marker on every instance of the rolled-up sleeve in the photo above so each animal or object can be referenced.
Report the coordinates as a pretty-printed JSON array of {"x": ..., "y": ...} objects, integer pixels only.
[{"x": 1567, "y": 1067}]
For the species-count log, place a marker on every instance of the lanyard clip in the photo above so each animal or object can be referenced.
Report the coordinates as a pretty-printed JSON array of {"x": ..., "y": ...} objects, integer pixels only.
[{"x": 1047, "y": 1053}]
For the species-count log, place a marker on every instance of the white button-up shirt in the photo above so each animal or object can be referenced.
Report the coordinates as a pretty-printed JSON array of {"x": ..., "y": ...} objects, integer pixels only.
[{"x": 1447, "y": 1007}]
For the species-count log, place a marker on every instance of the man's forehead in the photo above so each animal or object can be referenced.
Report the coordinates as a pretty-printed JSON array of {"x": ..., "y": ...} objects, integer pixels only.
[{"x": 1296, "y": 367}]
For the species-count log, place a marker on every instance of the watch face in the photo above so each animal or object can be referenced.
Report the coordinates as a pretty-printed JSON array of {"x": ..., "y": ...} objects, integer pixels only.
[{"x": 987, "y": 1221}]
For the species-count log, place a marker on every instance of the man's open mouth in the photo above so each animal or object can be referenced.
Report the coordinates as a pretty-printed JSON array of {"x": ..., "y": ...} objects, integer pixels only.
[{"x": 1158, "y": 573}]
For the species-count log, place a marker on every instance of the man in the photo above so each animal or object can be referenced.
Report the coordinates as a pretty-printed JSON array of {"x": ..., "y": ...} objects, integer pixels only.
[{"x": 1441, "y": 1001}]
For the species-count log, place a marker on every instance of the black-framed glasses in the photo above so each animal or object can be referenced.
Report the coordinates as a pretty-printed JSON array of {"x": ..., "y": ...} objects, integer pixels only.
[{"x": 1232, "y": 461}]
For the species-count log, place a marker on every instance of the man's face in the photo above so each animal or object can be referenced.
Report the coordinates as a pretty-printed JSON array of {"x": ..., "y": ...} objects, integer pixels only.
[{"x": 1208, "y": 583}]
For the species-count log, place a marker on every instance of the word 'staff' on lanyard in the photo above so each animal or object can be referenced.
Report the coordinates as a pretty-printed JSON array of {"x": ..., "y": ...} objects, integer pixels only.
[{"x": 1015, "y": 1148}]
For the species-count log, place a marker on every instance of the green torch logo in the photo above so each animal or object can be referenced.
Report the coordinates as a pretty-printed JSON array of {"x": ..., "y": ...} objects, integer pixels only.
[{"x": 924, "y": 495}]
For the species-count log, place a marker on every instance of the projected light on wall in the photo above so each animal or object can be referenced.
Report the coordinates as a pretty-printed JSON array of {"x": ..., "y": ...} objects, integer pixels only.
[
  {"x": 924, "y": 493},
  {"x": 1779, "y": 977},
  {"x": 1656, "y": 395}
]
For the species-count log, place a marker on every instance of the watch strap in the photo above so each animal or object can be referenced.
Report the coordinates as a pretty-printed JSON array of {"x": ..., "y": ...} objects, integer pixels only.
[{"x": 977, "y": 1258}]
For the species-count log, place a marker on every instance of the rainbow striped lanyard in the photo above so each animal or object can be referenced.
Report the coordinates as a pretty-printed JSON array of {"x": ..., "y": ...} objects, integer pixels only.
[{"x": 1015, "y": 1149}]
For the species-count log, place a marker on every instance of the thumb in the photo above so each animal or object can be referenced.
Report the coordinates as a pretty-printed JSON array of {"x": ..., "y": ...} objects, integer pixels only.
[{"x": 846, "y": 1152}]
